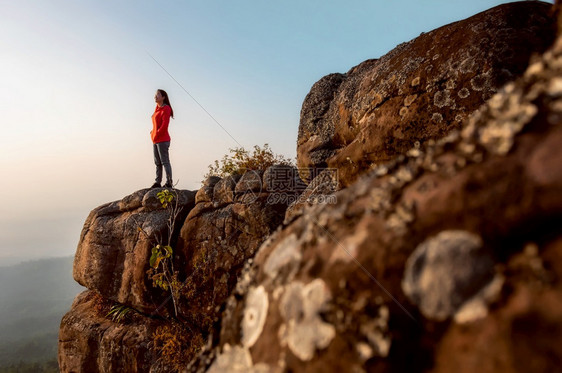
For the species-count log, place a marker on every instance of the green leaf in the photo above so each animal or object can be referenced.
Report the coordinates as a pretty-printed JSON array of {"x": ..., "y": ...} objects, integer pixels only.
[{"x": 168, "y": 250}]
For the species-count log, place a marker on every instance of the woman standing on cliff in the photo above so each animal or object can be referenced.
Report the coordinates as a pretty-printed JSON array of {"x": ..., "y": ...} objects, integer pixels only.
[{"x": 161, "y": 138}]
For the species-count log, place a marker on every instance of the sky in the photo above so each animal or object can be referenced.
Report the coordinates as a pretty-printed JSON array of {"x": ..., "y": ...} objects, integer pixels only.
[{"x": 78, "y": 82}]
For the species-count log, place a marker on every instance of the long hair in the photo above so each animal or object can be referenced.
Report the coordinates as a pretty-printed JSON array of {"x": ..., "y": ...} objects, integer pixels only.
[{"x": 167, "y": 101}]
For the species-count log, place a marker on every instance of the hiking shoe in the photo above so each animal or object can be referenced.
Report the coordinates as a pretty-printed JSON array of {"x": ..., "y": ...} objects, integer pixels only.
[
  {"x": 156, "y": 185},
  {"x": 168, "y": 184}
]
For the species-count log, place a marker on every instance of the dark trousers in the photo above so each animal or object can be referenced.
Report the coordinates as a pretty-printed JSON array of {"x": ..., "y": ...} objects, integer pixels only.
[{"x": 161, "y": 158}]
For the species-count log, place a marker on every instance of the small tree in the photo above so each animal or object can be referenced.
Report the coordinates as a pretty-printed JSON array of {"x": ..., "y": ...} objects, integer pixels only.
[{"x": 241, "y": 160}]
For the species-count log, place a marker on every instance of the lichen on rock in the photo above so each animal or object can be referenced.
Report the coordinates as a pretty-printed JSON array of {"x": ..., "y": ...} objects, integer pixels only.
[
  {"x": 445, "y": 271},
  {"x": 255, "y": 314},
  {"x": 285, "y": 257},
  {"x": 236, "y": 359},
  {"x": 376, "y": 333},
  {"x": 304, "y": 330}
]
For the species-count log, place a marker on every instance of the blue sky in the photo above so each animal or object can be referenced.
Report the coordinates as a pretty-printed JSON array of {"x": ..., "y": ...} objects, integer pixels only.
[{"x": 78, "y": 85}]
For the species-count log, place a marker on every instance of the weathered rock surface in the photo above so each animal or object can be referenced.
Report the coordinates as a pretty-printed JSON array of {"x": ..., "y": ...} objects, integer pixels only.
[
  {"x": 222, "y": 225},
  {"x": 113, "y": 254},
  {"x": 419, "y": 91},
  {"x": 319, "y": 190},
  {"x": 446, "y": 270},
  {"x": 326, "y": 292},
  {"x": 90, "y": 342},
  {"x": 223, "y": 232},
  {"x": 520, "y": 336}
]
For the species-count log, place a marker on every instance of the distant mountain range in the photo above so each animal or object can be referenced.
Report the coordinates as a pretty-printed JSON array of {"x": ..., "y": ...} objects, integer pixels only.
[{"x": 34, "y": 296}]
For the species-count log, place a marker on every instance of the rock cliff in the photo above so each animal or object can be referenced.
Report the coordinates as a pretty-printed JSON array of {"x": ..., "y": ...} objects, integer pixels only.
[
  {"x": 217, "y": 231},
  {"x": 435, "y": 246}
]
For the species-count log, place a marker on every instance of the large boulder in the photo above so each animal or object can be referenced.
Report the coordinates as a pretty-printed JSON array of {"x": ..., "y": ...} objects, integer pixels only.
[
  {"x": 420, "y": 90},
  {"x": 116, "y": 243},
  {"x": 445, "y": 259}
]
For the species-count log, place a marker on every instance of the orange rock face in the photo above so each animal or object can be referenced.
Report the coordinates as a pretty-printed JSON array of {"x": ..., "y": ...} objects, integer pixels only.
[
  {"x": 419, "y": 91},
  {"x": 113, "y": 255},
  {"x": 221, "y": 234}
]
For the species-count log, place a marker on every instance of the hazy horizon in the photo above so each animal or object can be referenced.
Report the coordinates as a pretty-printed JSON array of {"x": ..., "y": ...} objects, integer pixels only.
[
  {"x": 34, "y": 296},
  {"x": 79, "y": 84},
  {"x": 12, "y": 262}
]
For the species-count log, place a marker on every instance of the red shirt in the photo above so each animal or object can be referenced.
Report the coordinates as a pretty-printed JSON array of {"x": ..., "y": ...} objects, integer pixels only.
[{"x": 160, "y": 121}]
